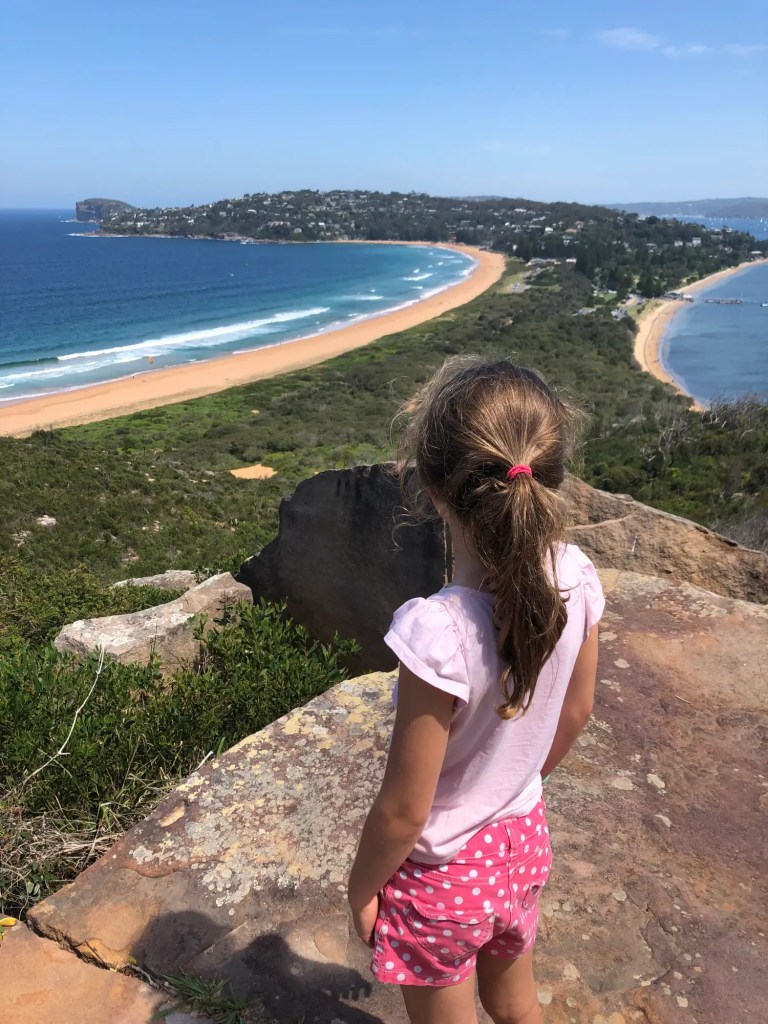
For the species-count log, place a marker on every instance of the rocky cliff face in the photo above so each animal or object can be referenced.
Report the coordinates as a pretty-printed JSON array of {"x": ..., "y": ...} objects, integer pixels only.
[
  {"x": 655, "y": 909},
  {"x": 344, "y": 560},
  {"x": 89, "y": 210}
]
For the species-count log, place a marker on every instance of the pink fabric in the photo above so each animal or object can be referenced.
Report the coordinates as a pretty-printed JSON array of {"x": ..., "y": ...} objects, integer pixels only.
[
  {"x": 492, "y": 767},
  {"x": 434, "y": 920}
]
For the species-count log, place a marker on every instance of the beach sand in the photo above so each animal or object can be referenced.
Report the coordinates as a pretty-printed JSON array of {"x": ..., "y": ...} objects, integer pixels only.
[
  {"x": 193, "y": 380},
  {"x": 653, "y": 322}
]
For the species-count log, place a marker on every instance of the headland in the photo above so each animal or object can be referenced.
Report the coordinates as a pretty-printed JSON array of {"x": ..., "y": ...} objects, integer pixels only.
[
  {"x": 654, "y": 320},
  {"x": 193, "y": 380}
]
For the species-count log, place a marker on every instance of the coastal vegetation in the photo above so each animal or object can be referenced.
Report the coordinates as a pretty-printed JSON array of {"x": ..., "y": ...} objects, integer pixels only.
[
  {"x": 152, "y": 491},
  {"x": 615, "y": 250}
]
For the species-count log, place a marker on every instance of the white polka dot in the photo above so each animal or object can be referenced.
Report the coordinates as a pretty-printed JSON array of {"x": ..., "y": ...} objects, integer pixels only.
[
  {"x": 397, "y": 894},
  {"x": 417, "y": 969},
  {"x": 393, "y": 912},
  {"x": 402, "y": 874},
  {"x": 399, "y": 931},
  {"x": 489, "y": 863},
  {"x": 446, "y": 885},
  {"x": 533, "y": 871},
  {"x": 384, "y": 929},
  {"x": 447, "y": 932},
  {"x": 394, "y": 943},
  {"x": 473, "y": 920},
  {"x": 476, "y": 892},
  {"x": 476, "y": 931},
  {"x": 411, "y": 892},
  {"x": 500, "y": 894},
  {"x": 430, "y": 979},
  {"x": 416, "y": 873},
  {"x": 458, "y": 912},
  {"x": 526, "y": 848},
  {"x": 374, "y": 968},
  {"x": 456, "y": 977},
  {"x": 514, "y": 886},
  {"x": 429, "y": 889},
  {"x": 488, "y": 838},
  {"x": 441, "y": 906},
  {"x": 522, "y": 837},
  {"x": 492, "y": 880},
  {"x": 458, "y": 899},
  {"x": 522, "y": 871},
  {"x": 406, "y": 957},
  {"x": 401, "y": 977},
  {"x": 478, "y": 853},
  {"x": 389, "y": 965},
  {"x": 527, "y": 821},
  {"x": 506, "y": 904},
  {"x": 473, "y": 873},
  {"x": 494, "y": 952},
  {"x": 430, "y": 938}
]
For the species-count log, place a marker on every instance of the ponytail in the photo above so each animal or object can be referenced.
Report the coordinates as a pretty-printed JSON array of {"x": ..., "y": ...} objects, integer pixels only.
[{"x": 490, "y": 440}]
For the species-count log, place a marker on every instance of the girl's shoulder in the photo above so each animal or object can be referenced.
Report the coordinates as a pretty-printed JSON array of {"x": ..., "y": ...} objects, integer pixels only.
[{"x": 577, "y": 573}]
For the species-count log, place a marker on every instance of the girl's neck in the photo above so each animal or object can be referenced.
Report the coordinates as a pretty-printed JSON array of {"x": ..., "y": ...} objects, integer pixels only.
[{"x": 467, "y": 570}]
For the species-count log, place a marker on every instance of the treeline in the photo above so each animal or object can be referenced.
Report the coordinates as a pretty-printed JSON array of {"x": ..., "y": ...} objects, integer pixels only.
[{"x": 616, "y": 251}]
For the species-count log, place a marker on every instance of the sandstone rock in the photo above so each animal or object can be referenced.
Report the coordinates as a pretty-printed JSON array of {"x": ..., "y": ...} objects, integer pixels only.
[
  {"x": 341, "y": 564},
  {"x": 172, "y": 579},
  {"x": 618, "y": 532},
  {"x": 41, "y": 983},
  {"x": 166, "y": 630},
  {"x": 657, "y": 899}
]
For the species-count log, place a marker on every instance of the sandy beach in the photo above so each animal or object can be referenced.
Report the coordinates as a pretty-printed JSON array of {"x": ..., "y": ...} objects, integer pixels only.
[
  {"x": 653, "y": 322},
  {"x": 193, "y": 380}
]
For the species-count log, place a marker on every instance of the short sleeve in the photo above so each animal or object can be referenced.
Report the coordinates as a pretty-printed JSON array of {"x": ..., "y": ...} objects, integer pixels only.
[
  {"x": 594, "y": 600},
  {"x": 425, "y": 638}
]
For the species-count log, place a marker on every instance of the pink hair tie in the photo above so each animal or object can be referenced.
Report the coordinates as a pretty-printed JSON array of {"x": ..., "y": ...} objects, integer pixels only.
[{"x": 512, "y": 473}]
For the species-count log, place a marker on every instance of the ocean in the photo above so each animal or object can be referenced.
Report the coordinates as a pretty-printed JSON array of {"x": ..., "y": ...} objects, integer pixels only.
[
  {"x": 721, "y": 351},
  {"x": 78, "y": 310}
]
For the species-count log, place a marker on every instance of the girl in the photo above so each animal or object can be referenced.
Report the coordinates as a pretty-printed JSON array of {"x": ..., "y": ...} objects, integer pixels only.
[{"x": 497, "y": 676}]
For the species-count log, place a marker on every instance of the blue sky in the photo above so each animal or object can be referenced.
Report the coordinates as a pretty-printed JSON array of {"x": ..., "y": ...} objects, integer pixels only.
[{"x": 172, "y": 103}]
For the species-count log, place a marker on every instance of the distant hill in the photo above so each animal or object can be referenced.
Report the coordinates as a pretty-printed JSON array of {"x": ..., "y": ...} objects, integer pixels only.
[
  {"x": 100, "y": 209},
  {"x": 744, "y": 207}
]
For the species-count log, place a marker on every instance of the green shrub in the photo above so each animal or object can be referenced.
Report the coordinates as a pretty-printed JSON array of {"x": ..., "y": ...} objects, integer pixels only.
[
  {"x": 35, "y": 604},
  {"x": 126, "y": 733}
]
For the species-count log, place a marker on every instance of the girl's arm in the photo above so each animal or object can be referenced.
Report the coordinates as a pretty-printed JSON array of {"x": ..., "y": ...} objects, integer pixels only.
[
  {"x": 577, "y": 706},
  {"x": 400, "y": 811}
]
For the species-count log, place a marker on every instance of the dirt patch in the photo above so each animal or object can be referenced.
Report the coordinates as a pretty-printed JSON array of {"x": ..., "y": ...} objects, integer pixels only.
[{"x": 257, "y": 472}]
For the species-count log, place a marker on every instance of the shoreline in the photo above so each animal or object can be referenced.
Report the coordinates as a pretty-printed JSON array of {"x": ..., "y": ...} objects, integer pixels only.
[
  {"x": 653, "y": 322},
  {"x": 171, "y": 385}
]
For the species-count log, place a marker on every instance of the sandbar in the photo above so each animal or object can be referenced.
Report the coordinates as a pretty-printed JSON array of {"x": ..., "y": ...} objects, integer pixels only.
[
  {"x": 654, "y": 320},
  {"x": 166, "y": 386}
]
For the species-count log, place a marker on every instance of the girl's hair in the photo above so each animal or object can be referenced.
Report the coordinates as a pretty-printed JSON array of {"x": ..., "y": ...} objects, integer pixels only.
[{"x": 466, "y": 428}]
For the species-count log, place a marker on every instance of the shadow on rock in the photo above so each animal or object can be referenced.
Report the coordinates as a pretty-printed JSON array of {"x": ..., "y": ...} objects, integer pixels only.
[{"x": 264, "y": 969}]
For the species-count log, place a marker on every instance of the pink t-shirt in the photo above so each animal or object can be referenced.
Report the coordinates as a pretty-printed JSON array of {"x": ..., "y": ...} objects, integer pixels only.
[{"x": 492, "y": 767}]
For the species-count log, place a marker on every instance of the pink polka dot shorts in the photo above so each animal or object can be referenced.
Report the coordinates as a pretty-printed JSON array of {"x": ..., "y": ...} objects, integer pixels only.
[{"x": 435, "y": 918}]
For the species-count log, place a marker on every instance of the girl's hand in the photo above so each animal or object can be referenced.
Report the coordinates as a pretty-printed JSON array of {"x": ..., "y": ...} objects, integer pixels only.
[{"x": 365, "y": 920}]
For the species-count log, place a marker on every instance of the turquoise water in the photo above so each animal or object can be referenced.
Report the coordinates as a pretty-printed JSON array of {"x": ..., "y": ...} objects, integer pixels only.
[{"x": 78, "y": 310}]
